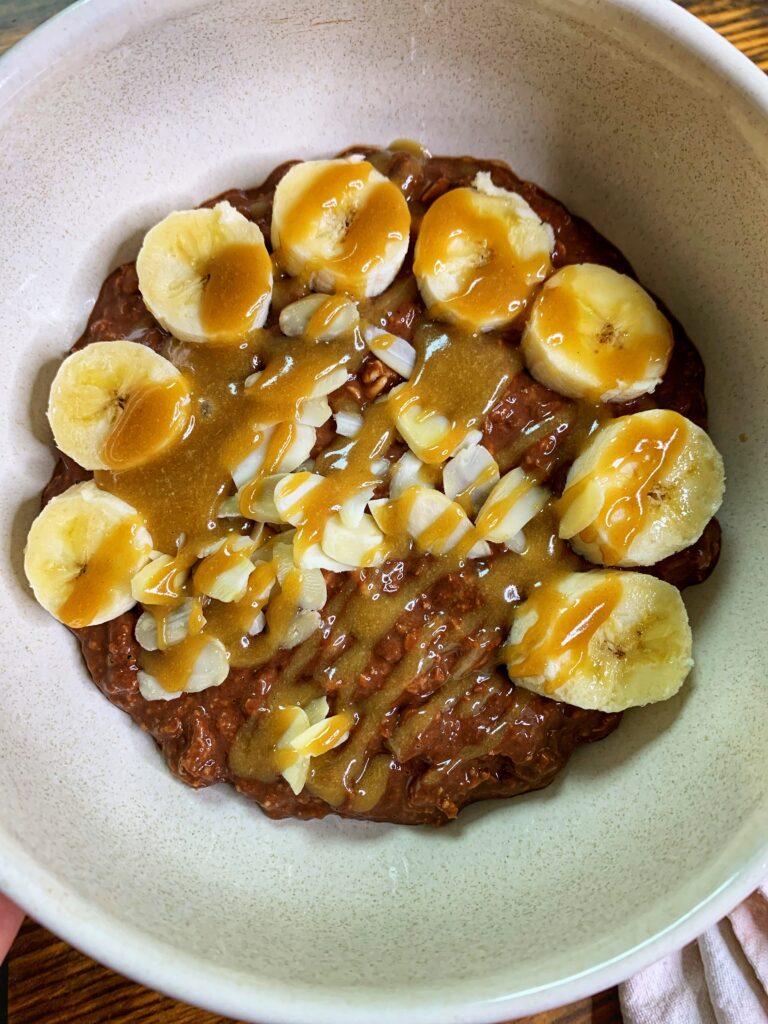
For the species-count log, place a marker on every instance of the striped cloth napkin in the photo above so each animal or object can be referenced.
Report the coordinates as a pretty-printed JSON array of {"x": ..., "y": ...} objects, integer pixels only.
[{"x": 722, "y": 978}]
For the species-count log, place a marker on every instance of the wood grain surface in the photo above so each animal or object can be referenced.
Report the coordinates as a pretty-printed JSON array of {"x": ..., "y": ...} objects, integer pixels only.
[{"x": 49, "y": 982}]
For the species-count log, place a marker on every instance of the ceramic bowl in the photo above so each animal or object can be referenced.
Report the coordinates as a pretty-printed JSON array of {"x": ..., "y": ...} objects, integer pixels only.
[{"x": 643, "y": 121}]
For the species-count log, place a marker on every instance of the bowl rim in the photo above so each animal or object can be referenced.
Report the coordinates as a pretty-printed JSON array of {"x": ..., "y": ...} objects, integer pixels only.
[{"x": 167, "y": 969}]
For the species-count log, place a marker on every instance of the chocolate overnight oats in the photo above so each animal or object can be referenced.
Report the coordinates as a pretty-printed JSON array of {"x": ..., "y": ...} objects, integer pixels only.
[{"x": 377, "y": 487}]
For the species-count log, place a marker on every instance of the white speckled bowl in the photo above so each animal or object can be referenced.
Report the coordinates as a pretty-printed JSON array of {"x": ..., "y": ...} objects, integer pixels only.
[{"x": 643, "y": 121}]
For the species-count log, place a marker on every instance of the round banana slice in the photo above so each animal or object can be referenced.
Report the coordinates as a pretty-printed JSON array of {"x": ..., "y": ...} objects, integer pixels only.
[
  {"x": 341, "y": 225},
  {"x": 479, "y": 255},
  {"x": 117, "y": 404},
  {"x": 602, "y": 640},
  {"x": 206, "y": 275},
  {"x": 644, "y": 488},
  {"x": 594, "y": 333},
  {"x": 82, "y": 552}
]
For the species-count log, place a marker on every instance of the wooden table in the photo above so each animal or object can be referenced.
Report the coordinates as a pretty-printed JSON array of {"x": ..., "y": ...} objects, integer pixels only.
[{"x": 49, "y": 981}]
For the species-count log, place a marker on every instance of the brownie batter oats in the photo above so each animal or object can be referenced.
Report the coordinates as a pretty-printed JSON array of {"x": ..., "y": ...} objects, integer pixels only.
[{"x": 377, "y": 486}]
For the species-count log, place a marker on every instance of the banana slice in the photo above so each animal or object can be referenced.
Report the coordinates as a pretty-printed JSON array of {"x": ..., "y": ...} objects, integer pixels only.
[
  {"x": 645, "y": 487},
  {"x": 82, "y": 552},
  {"x": 480, "y": 253},
  {"x": 437, "y": 525},
  {"x": 117, "y": 404},
  {"x": 594, "y": 333},
  {"x": 603, "y": 640},
  {"x": 206, "y": 275},
  {"x": 319, "y": 317},
  {"x": 512, "y": 503},
  {"x": 396, "y": 353},
  {"x": 191, "y": 666},
  {"x": 341, "y": 225},
  {"x": 470, "y": 477}
]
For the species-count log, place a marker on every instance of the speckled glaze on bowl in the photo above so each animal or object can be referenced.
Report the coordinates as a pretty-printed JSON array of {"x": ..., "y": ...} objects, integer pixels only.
[{"x": 643, "y": 121}]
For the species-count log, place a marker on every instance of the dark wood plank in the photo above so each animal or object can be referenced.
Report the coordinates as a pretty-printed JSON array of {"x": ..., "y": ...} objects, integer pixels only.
[{"x": 49, "y": 981}]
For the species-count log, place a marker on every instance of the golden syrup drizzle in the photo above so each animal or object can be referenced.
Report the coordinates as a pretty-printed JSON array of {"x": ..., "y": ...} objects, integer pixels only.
[
  {"x": 631, "y": 472},
  {"x": 255, "y": 753},
  {"x": 412, "y": 146},
  {"x": 370, "y": 217},
  {"x": 498, "y": 281},
  {"x": 152, "y": 419},
  {"x": 232, "y": 623},
  {"x": 236, "y": 283},
  {"x": 441, "y": 382},
  {"x": 563, "y": 631},
  {"x": 611, "y": 356},
  {"x": 114, "y": 561}
]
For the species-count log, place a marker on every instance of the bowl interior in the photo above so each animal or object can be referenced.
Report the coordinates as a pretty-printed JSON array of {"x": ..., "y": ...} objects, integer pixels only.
[{"x": 125, "y": 112}]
